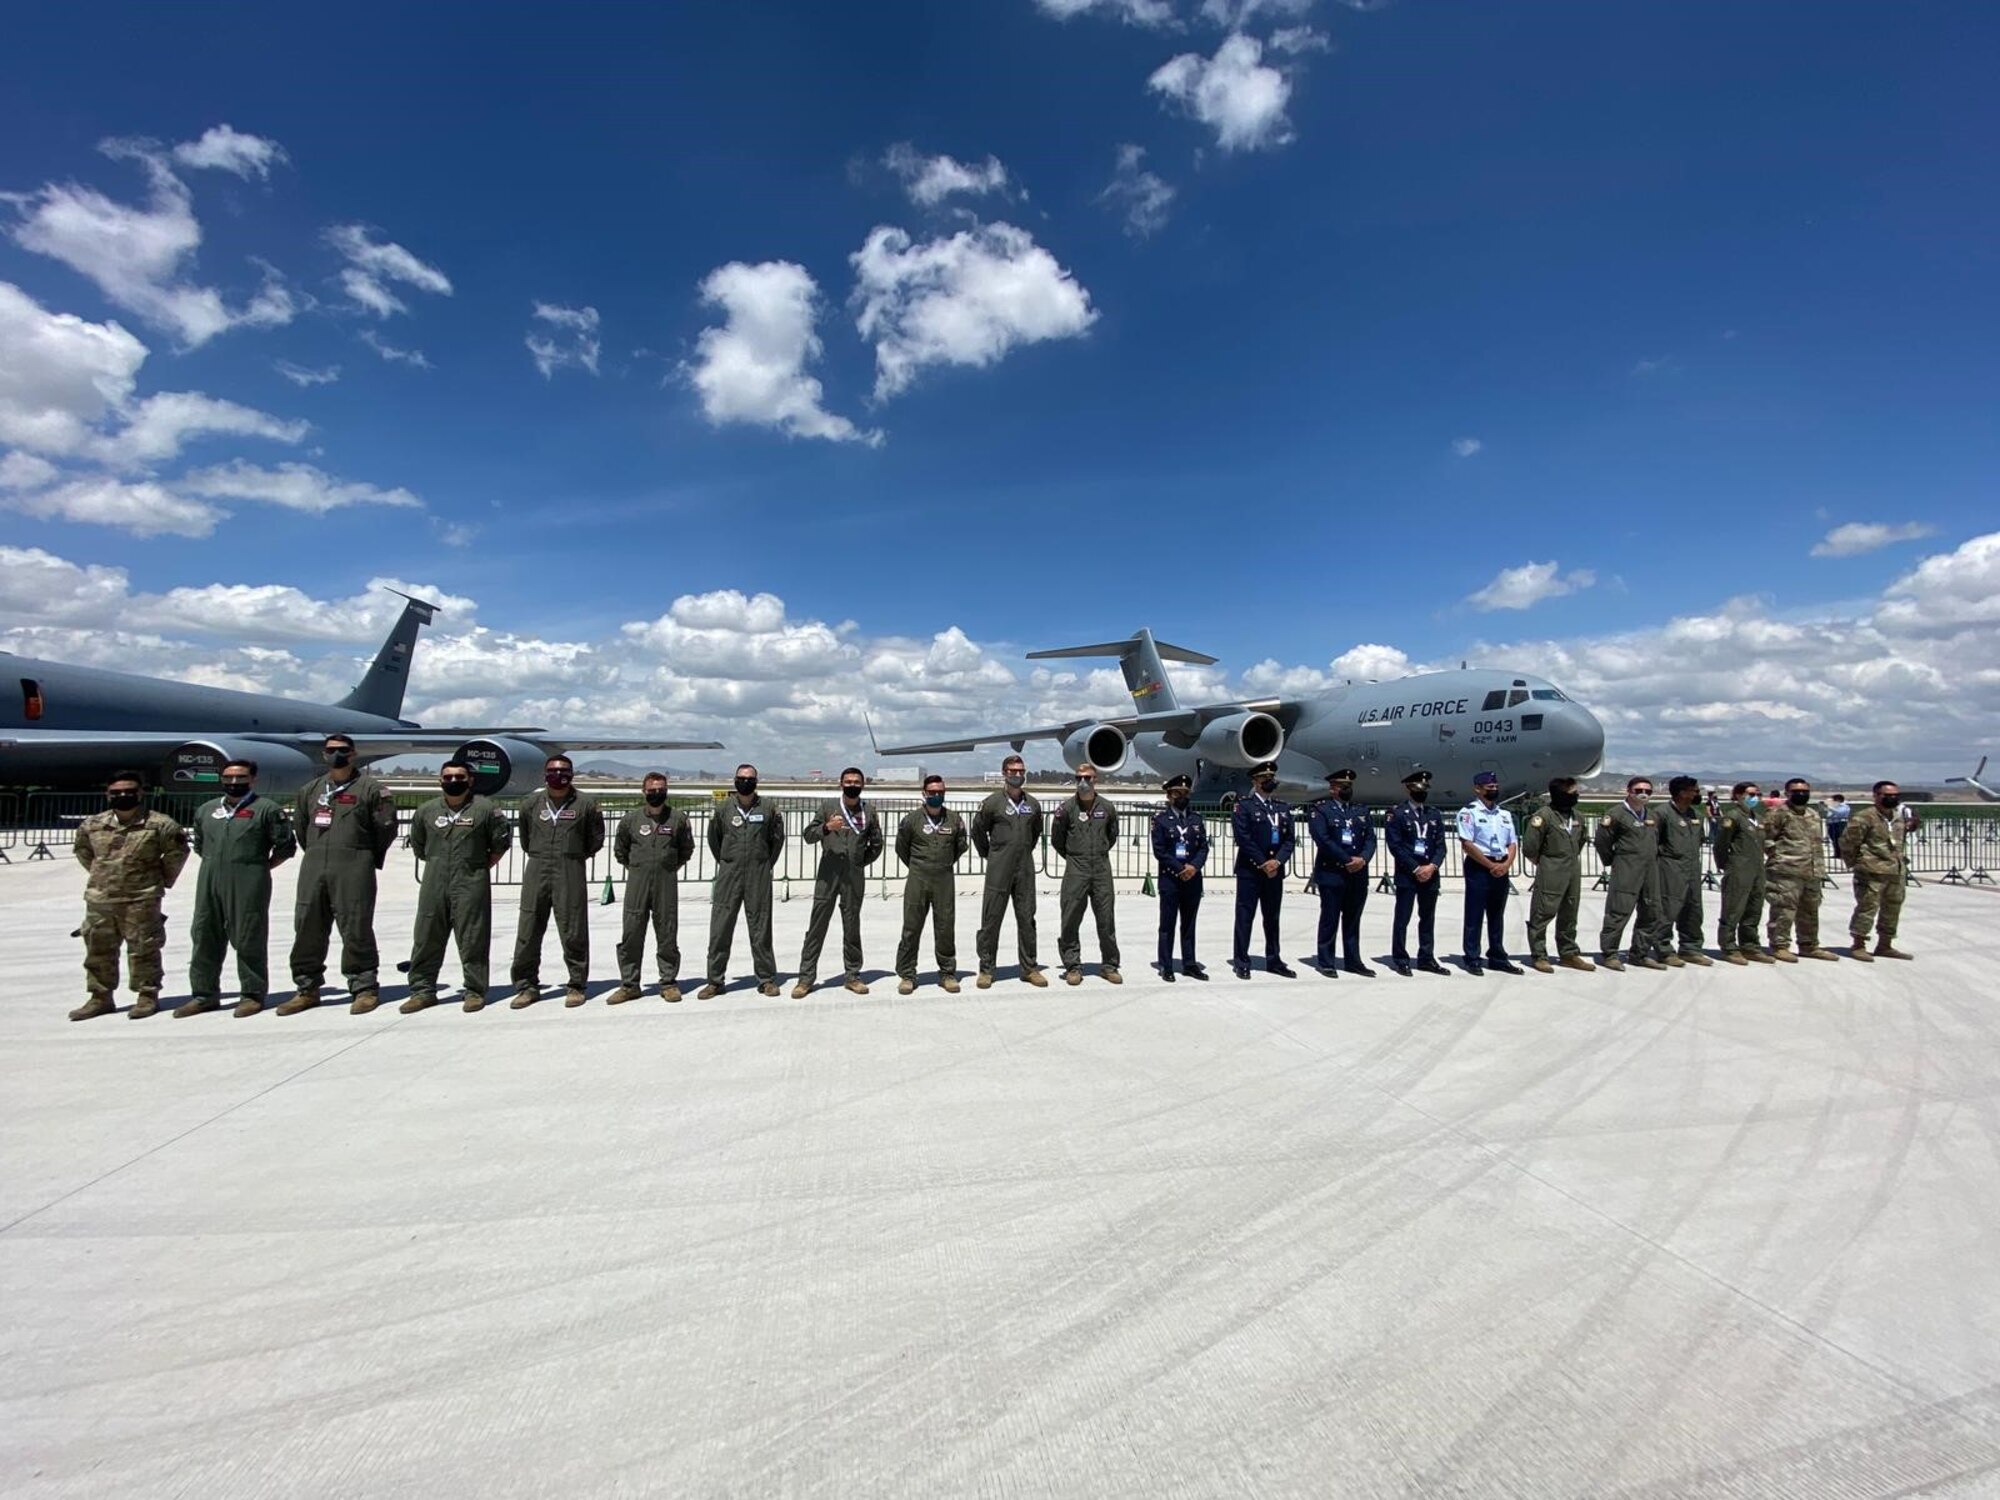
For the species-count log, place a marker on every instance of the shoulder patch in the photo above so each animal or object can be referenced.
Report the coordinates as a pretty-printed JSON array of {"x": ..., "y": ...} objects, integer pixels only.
[
  {"x": 1605, "y": 821},
  {"x": 1535, "y": 821}
]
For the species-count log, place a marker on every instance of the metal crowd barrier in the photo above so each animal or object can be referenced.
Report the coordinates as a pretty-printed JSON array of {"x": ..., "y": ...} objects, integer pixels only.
[{"x": 1946, "y": 848}]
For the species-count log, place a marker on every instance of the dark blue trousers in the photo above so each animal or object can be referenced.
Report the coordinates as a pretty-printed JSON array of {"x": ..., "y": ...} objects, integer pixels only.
[
  {"x": 1485, "y": 901},
  {"x": 1341, "y": 897},
  {"x": 1179, "y": 901},
  {"x": 1255, "y": 889},
  {"x": 1424, "y": 898}
]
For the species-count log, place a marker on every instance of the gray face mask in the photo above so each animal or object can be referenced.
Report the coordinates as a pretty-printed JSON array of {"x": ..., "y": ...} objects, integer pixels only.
[{"x": 1017, "y": 779}]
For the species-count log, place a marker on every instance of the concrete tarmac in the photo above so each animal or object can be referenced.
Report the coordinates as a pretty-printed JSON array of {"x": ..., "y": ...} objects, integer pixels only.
[{"x": 1717, "y": 1232}]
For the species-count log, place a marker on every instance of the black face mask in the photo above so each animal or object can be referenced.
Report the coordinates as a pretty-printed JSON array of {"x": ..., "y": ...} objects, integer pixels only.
[
  {"x": 1489, "y": 794},
  {"x": 1343, "y": 790},
  {"x": 122, "y": 801},
  {"x": 556, "y": 780},
  {"x": 849, "y": 792},
  {"x": 655, "y": 796},
  {"x": 235, "y": 788},
  {"x": 1420, "y": 793},
  {"x": 340, "y": 759},
  {"x": 745, "y": 785},
  {"x": 1178, "y": 801},
  {"x": 1267, "y": 784},
  {"x": 1889, "y": 803},
  {"x": 455, "y": 786},
  {"x": 1562, "y": 801},
  {"x": 1799, "y": 799}
]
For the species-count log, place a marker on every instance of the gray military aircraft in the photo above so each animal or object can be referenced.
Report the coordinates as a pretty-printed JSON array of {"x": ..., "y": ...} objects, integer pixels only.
[
  {"x": 1986, "y": 793},
  {"x": 1453, "y": 724},
  {"x": 69, "y": 727}
]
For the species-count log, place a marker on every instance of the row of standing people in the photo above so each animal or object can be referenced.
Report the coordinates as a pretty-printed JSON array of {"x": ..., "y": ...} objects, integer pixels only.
[{"x": 344, "y": 823}]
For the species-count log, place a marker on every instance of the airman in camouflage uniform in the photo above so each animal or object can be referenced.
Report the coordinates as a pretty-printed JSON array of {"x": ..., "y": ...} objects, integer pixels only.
[
  {"x": 1794, "y": 867},
  {"x": 1628, "y": 846},
  {"x": 1553, "y": 843},
  {"x": 1739, "y": 854},
  {"x": 133, "y": 856},
  {"x": 1872, "y": 847}
]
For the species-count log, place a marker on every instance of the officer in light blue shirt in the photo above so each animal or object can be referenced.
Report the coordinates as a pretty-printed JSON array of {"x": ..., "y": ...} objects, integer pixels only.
[{"x": 1486, "y": 834}]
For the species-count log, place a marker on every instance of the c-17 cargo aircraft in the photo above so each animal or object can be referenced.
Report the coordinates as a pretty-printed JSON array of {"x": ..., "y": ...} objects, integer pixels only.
[
  {"x": 1453, "y": 724},
  {"x": 69, "y": 727}
]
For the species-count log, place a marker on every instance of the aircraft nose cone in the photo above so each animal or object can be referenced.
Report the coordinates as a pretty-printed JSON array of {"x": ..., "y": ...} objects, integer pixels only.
[{"x": 1584, "y": 736}]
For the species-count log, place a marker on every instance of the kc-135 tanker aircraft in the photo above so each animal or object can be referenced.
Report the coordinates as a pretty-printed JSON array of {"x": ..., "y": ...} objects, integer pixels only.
[
  {"x": 65, "y": 727},
  {"x": 1453, "y": 724}
]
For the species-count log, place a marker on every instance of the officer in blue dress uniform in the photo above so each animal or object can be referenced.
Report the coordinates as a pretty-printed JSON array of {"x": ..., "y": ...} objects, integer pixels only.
[
  {"x": 1343, "y": 838},
  {"x": 1180, "y": 847},
  {"x": 1487, "y": 837},
  {"x": 1415, "y": 836},
  {"x": 1262, "y": 826}
]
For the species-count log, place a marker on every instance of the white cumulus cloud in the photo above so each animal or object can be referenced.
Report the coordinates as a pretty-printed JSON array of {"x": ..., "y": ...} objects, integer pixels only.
[
  {"x": 1132, "y": 12},
  {"x": 930, "y": 180},
  {"x": 1529, "y": 585},
  {"x": 1235, "y": 14},
  {"x": 158, "y": 427},
  {"x": 567, "y": 336},
  {"x": 306, "y": 375},
  {"x": 373, "y": 263},
  {"x": 1235, "y": 93},
  {"x": 1857, "y": 537},
  {"x": 1465, "y": 447},
  {"x": 60, "y": 375},
  {"x": 395, "y": 356},
  {"x": 753, "y": 367},
  {"x": 963, "y": 299},
  {"x": 140, "y": 256},
  {"x": 1143, "y": 197},
  {"x": 144, "y": 508},
  {"x": 298, "y": 487},
  {"x": 223, "y": 148}
]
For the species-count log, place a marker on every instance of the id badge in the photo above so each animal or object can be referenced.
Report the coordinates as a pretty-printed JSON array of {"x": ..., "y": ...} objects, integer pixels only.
[
  {"x": 1180, "y": 851},
  {"x": 1347, "y": 836},
  {"x": 323, "y": 818},
  {"x": 1274, "y": 838},
  {"x": 1421, "y": 846}
]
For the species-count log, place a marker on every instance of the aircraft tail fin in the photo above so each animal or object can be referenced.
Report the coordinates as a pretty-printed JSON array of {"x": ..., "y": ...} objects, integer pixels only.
[
  {"x": 1986, "y": 793},
  {"x": 1143, "y": 661},
  {"x": 380, "y": 690}
]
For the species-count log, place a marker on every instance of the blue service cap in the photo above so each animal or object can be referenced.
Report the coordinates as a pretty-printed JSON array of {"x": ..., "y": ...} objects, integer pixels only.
[{"x": 1486, "y": 778}]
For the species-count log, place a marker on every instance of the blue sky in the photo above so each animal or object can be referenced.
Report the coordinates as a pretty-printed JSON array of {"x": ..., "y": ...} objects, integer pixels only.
[{"x": 1516, "y": 333}]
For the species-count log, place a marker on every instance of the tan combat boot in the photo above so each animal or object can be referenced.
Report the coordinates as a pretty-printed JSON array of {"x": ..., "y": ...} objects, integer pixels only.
[
  {"x": 364, "y": 1001},
  {"x": 95, "y": 1006},
  {"x": 671, "y": 993},
  {"x": 1818, "y": 952},
  {"x": 1037, "y": 978},
  {"x": 247, "y": 1007},
  {"x": 416, "y": 1003},
  {"x": 906, "y": 986},
  {"x": 1699, "y": 960},
  {"x": 1784, "y": 956},
  {"x": 623, "y": 993},
  {"x": 574, "y": 996},
  {"x": 197, "y": 1005},
  {"x": 1758, "y": 956},
  {"x": 1612, "y": 962},
  {"x": 985, "y": 979},
  {"x": 1072, "y": 976},
  {"x": 1731, "y": 956},
  {"x": 854, "y": 986},
  {"x": 1579, "y": 963},
  {"x": 1887, "y": 949},
  {"x": 769, "y": 987},
  {"x": 147, "y": 1004},
  {"x": 949, "y": 984},
  {"x": 1649, "y": 962},
  {"x": 1541, "y": 965},
  {"x": 474, "y": 1000},
  {"x": 303, "y": 1000},
  {"x": 1110, "y": 976},
  {"x": 708, "y": 991},
  {"x": 524, "y": 997},
  {"x": 1860, "y": 953},
  {"x": 802, "y": 989},
  {"x": 1675, "y": 961}
]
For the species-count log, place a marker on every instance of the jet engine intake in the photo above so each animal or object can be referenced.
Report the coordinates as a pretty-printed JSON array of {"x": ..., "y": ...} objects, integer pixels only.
[
  {"x": 1241, "y": 740},
  {"x": 1098, "y": 745},
  {"x": 197, "y": 765}
]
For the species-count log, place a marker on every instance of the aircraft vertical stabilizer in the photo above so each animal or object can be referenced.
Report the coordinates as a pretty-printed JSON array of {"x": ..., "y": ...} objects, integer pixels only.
[
  {"x": 1142, "y": 659},
  {"x": 380, "y": 690}
]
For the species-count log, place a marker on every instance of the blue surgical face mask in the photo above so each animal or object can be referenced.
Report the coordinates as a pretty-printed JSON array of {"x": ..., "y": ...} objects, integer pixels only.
[
  {"x": 933, "y": 799},
  {"x": 1752, "y": 799}
]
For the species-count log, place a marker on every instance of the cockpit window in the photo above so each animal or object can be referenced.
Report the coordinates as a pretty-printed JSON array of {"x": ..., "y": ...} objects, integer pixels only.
[
  {"x": 1518, "y": 695},
  {"x": 31, "y": 699},
  {"x": 1495, "y": 699},
  {"x": 1550, "y": 695}
]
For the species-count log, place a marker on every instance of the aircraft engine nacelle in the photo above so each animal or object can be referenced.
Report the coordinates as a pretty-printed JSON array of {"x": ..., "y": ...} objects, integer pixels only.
[
  {"x": 503, "y": 767},
  {"x": 1241, "y": 740},
  {"x": 1097, "y": 745},
  {"x": 197, "y": 766}
]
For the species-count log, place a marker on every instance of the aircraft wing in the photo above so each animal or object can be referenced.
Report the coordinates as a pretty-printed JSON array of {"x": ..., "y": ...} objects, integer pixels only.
[{"x": 1188, "y": 721}]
